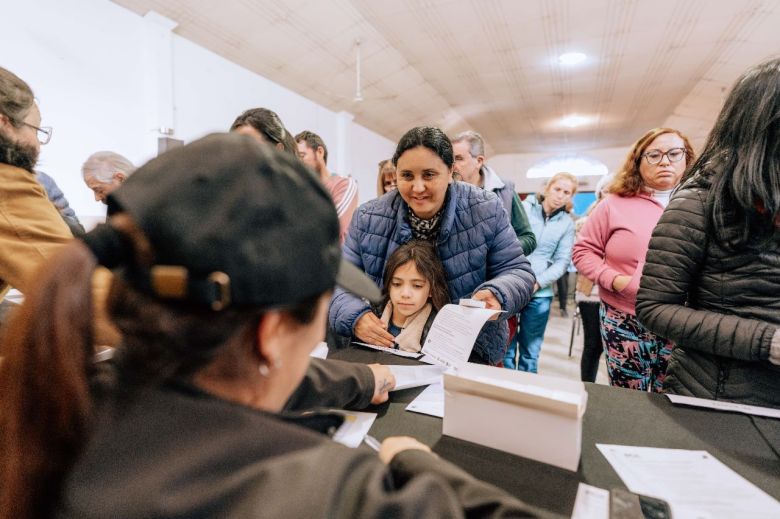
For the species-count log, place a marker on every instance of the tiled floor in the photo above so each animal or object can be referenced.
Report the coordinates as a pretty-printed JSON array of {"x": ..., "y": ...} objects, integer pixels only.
[{"x": 554, "y": 359}]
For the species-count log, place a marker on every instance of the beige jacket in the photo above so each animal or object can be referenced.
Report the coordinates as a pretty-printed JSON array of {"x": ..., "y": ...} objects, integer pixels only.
[{"x": 31, "y": 231}]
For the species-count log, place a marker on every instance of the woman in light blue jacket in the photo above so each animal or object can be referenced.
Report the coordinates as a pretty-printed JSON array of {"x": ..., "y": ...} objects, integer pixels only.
[{"x": 554, "y": 230}]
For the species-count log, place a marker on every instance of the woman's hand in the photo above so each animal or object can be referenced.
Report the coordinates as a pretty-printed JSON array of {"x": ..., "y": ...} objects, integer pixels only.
[
  {"x": 395, "y": 444},
  {"x": 370, "y": 329},
  {"x": 620, "y": 282},
  {"x": 491, "y": 303},
  {"x": 384, "y": 382}
]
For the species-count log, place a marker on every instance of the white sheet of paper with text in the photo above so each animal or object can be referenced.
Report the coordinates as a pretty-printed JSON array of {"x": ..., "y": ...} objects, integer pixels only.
[
  {"x": 695, "y": 483},
  {"x": 415, "y": 376},
  {"x": 453, "y": 333}
]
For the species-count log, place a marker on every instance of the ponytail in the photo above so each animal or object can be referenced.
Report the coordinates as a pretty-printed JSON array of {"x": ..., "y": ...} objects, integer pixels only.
[{"x": 47, "y": 355}]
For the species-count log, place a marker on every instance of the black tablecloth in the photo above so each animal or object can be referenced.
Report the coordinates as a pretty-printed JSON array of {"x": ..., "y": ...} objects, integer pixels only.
[{"x": 749, "y": 445}]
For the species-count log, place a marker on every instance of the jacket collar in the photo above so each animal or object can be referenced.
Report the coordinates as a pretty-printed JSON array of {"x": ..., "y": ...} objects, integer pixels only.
[{"x": 491, "y": 181}]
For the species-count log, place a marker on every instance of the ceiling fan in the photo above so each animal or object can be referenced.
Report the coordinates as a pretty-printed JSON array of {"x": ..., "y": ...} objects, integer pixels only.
[{"x": 358, "y": 96}]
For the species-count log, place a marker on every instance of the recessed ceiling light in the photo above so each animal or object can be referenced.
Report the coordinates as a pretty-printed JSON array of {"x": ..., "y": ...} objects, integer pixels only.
[
  {"x": 572, "y": 58},
  {"x": 572, "y": 121}
]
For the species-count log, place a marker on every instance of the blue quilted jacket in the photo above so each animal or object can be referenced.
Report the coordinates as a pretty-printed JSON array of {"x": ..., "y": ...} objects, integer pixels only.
[{"x": 477, "y": 246}]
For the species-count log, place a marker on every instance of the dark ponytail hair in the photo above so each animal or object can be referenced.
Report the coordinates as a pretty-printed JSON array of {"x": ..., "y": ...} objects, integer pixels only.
[
  {"x": 427, "y": 262},
  {"x": 48, "y": 352},
  {"x": 741, "y": 161},
  {"x": 428, "y": 137},
  {"x": 47, "y": 355},
  {"x": 270, "y": 125}
]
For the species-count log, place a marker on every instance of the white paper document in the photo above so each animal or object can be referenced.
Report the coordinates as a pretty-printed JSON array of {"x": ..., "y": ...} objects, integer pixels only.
[
  {"x": 453, "y": 333},
  {"x": 591, "y": 503},
  {"x": 720, "y": 405},
  {"x": 415, "y": 376},
  {"x": 694, "y": 483},
  {"x": 430, "y": 401},
  {"x": 320, "y": 351},
  {"x": 392, "y": 351},
  {"x": 355, "y": 427}
]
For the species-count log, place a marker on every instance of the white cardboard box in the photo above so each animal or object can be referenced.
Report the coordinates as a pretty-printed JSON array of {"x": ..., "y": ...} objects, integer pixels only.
[{"x": 529, "y": 415}]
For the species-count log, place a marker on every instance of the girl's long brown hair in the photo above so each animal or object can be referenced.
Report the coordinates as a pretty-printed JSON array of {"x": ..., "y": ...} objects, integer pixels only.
[
  {"x": 424, "y": 257},
  {"x": 44, "y": 384}
]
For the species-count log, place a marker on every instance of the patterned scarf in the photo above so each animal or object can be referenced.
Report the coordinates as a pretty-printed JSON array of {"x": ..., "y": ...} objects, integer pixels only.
[{"x": 426, "y": 230}]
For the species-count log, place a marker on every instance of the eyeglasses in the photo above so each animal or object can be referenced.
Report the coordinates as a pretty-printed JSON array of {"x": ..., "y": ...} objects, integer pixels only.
[
  {"x": 43, "y": 133},
  {"x": 656, "y": 156}
]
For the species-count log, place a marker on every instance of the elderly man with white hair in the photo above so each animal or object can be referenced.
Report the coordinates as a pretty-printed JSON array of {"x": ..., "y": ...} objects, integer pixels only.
[{"x": 105, "y": 171}]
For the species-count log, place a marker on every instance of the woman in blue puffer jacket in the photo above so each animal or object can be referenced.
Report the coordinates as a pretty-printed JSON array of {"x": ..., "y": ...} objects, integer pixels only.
[
  {"x": 554, "y": 230},
  {"x": 469, "y": 228}
]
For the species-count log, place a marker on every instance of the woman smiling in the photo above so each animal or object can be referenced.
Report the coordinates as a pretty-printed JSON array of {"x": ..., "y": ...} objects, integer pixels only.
[{"x": 468, "y": 227}]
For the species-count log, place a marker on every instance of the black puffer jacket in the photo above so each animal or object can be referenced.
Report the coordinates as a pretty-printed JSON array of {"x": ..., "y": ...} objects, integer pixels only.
[{"x": 721, "y": 308}]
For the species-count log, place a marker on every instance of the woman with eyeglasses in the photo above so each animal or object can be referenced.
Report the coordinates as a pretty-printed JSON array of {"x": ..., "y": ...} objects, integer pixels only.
[
  {"x": 611, "y": 251},
  {"x": 31, "y": 228},
  {"x": 712, "y": 278}
]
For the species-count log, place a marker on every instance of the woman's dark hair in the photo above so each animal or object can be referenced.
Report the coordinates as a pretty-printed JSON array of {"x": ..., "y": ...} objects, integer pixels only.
[
  {"x": 48, "y": 363},
  {"x": 427, "y": 262},
  {"x": 267, "y": 123},
  {"x": 741, "y": 161},
  {"x": 429, "y": 137}
]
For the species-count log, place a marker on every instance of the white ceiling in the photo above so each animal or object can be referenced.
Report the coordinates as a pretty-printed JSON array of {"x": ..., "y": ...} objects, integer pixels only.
[{"x": 491, "y": 65}]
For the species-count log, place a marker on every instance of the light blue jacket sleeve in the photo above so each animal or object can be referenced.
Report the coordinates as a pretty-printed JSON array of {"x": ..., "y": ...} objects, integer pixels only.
[{"x": 561, "y": 257}]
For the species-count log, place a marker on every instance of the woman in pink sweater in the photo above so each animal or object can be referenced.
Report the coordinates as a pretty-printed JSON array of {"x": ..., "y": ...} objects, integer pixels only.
[{"x": 611, "y": 252}]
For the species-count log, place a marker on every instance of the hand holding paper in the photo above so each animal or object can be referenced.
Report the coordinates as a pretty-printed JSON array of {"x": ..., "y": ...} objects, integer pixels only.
[
  {"x": 490, "y": 301},
  {"x": 384, "y": 382}
]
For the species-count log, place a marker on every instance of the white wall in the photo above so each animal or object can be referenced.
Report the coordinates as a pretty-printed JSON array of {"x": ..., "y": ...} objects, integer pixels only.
[
  {"x": 96, "y": 69},
  {"x": 514, "y": 166}
]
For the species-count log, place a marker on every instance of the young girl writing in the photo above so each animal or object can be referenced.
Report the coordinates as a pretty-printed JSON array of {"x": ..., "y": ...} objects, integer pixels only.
[{"x": 415, "y": 288}]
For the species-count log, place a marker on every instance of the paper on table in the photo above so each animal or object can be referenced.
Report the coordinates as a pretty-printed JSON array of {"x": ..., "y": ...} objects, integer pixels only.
[
  {"x": 392, "y": 351},
  {"x": 430, "y": 401},
  {"x": 453, "y": 333},
  {"x": 694, "y": 483},
  {"x": 320, "y": 351},
  {"x": 414, "y": 376},
  {"x": 591, "y": 503},
  {"x": 720, "y": 405},
  {"x": 355, "y": 427}
]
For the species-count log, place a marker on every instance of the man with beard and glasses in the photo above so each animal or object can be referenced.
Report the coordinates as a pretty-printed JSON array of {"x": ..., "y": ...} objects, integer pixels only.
[{"x": 31, "y": 228}]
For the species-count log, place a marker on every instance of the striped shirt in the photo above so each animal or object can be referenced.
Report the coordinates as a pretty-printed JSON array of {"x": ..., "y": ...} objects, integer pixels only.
[{"x": 344, "y": 192}]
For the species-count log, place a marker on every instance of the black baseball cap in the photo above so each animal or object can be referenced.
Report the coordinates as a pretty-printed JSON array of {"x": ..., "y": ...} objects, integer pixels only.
[{"x": 233, "y": 222}]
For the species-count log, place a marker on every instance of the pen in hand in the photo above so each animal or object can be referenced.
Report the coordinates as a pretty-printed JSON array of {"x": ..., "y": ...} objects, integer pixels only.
[{"x": 372, "y": 442}]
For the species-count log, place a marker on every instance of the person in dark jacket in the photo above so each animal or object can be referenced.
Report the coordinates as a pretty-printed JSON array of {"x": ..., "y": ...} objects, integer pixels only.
[
  {"x": 467, "y": 225},
  {"x": 57, "y": 197},
  {"x": 711, "y": 282},
  {"x": 470, "y": 166},
  {"x": 218, "y": 325}
]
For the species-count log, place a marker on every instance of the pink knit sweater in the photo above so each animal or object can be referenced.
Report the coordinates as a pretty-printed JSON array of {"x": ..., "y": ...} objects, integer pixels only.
[{"x": 614, "y": 242}]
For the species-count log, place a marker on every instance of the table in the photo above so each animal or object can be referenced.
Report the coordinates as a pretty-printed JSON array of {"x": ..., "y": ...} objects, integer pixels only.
[{"x": 749, "y": 445}]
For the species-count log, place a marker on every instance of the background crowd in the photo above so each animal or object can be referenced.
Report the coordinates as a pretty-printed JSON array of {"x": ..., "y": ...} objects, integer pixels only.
[{"x": 230, "y": 259}]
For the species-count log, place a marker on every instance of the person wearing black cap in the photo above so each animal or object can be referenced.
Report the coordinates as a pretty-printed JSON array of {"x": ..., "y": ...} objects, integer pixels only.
[{"x": 193, "y": 417}]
